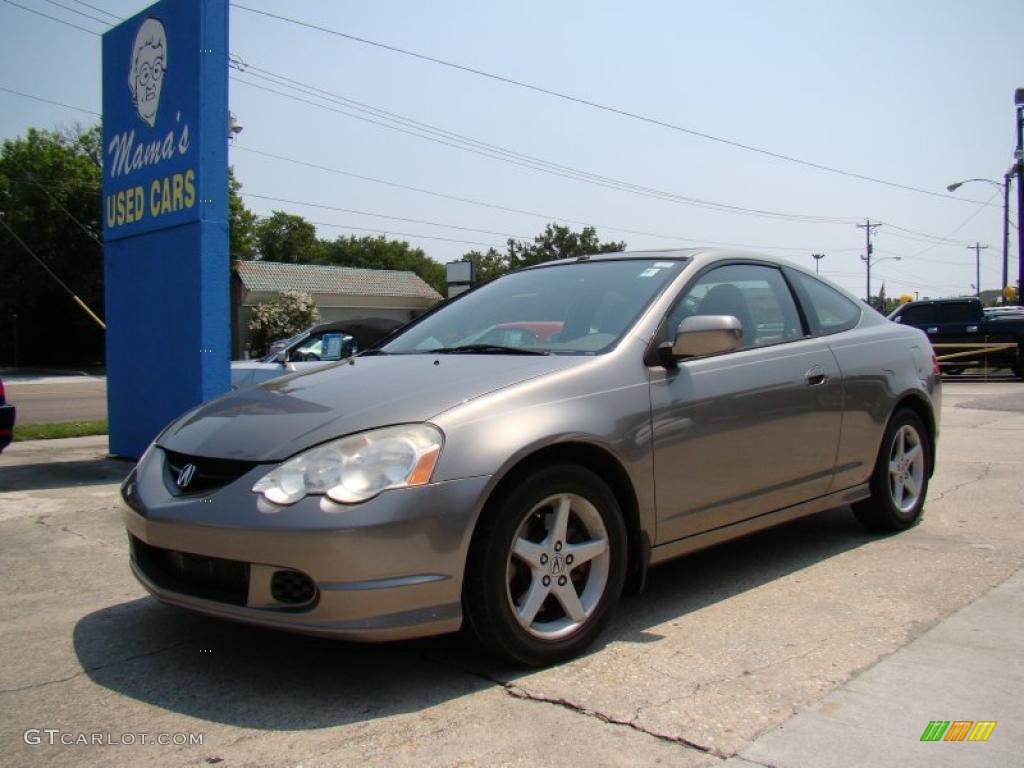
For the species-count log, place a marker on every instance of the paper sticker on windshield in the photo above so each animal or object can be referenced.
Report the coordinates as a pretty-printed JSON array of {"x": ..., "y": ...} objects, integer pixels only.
[
  {"x": 664, "y": 264},
  {"x": 649, "y": 272}
]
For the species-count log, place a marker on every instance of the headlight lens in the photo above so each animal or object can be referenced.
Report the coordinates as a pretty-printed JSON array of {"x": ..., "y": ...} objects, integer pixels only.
[{"x": 358, "y": 467}]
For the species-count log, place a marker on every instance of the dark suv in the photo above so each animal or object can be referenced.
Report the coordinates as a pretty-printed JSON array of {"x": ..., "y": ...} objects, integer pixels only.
[{"x": 963, "y": 322}]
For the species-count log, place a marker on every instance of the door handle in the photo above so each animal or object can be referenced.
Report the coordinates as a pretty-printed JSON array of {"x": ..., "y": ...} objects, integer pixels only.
[
  {"x": 972, "y": 329},
  {"x": 816, "y": 377},
  {"x": 933, "y": 329}
]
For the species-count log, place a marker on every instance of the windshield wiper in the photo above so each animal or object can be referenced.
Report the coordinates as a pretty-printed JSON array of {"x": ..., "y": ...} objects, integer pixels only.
[{"x": 487, "y": 349}]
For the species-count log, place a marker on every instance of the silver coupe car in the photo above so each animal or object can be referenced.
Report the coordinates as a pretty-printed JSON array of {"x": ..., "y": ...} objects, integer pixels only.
[{"x": 641, "y": 406}]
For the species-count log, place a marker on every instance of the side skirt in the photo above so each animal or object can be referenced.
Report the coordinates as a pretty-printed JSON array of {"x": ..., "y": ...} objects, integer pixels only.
[{"x": 715, "y": 536}]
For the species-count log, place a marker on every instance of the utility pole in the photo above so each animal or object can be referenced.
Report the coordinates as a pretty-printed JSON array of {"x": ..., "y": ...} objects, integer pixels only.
[
  {"x": 1006, "y": 231},
  {"x": 1018, "y": 98},
  {"x": 867, "y": 226},
  {"x": 977, "y": 248},
  {"x": 817, "y": 260}
]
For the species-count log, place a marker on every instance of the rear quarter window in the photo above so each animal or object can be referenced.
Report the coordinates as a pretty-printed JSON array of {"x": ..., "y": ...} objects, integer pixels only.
[{"x": 829, "y": 310}]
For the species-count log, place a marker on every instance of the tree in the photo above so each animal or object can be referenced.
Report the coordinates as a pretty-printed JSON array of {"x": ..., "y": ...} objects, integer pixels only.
[
  {"x": 287, "y": 238},
  {"x": 241, "y": 222},
  {"x": 555, "y": 242},
  {"x": 379, "y": 253},
  {"x": 50, "y": 197},
  {"x": 281, "y": 317}
]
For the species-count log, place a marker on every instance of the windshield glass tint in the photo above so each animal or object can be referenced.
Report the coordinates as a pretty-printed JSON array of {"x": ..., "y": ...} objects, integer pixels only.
[{"x": 578, "y": 308}]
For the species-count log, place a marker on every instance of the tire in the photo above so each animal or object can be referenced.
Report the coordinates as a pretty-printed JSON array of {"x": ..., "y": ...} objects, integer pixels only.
[
  {"x": 899, "y": 482},
  {"x": 529, "y": 595}
]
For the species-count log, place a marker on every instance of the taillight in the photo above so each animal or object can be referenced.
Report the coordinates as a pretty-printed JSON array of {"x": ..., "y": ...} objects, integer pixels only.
[
  {"x": 2, "y": 393},
  {"x": 935, "y": 364}
]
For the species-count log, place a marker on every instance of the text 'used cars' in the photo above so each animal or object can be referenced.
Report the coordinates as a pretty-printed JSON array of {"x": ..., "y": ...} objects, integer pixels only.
[{"x": 515, "y": 459}]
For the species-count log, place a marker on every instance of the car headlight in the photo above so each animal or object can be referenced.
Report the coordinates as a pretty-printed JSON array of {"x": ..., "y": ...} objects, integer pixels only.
[{"x": 358, "y": 467}]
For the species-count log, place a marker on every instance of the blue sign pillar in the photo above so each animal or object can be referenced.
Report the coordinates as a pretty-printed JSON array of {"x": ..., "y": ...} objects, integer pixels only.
[{"x": 165, "y": 206}]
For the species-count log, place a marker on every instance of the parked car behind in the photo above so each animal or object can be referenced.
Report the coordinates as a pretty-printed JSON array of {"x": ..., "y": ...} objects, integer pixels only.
[
  {"x": 313, "y": 348},
  {"x": 962, "y": 321},
  {"x": 7, "y": 414},
  {"x": 687, "y": 398}
]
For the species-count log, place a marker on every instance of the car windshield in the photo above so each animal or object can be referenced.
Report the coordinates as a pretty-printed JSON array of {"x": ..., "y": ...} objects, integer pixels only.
[
  {"x": 578, "y": 308},
  {"x": 281, "y": 344}
]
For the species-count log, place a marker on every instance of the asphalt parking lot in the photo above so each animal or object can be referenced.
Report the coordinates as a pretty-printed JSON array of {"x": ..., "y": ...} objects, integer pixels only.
[{"x": 737, "y": 655}]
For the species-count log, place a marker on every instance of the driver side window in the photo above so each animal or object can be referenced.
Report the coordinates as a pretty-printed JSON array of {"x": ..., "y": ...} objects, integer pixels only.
[
  {"x": 324, "y": 347},
  {"x": 756, "y": 295}
]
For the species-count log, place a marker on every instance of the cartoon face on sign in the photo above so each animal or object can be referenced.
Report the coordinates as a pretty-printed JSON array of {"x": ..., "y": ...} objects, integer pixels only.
[{"x": 149, "y": 62}]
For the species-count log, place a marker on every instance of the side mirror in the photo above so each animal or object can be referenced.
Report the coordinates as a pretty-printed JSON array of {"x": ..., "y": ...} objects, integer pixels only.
[
  {"x": 281, "y": 357},
  {"x": 703, "y": 335}
]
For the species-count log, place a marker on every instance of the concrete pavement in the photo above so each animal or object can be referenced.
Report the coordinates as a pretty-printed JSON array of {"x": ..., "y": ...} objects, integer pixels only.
[
  {"x": 969, "y": 668},
  {"x": 813, "y": 644}
]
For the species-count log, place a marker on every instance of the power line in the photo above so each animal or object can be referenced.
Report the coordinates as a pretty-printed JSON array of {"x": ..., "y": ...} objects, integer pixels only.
[
  {"x": 963, "y": 224},
  {"x": 573, "y": 174},
  {"x": 596, "y": 105},
  {"x": 509, "y": 209},
  {"x": 101, "y": 10},
  {"x": 49, "y": 101},
  {"x": 404, "y": 234},
  {"x": 51, "y": 18},
  {"x": 80, "y": 13},
  {"x": 477, "y": 145},
  {"x": 60, "y": 205},
  {"x": 380, "y": 215},
  {"x": 53, "y": 274}
]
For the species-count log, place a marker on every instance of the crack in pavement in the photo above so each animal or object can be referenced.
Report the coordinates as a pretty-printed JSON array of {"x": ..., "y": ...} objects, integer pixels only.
[
  {"x": 523, "y": 694},
  {"x": 97, "y": 668},
  {"x": 948, "y": 492},
  {"x": 41, "y": 520}
]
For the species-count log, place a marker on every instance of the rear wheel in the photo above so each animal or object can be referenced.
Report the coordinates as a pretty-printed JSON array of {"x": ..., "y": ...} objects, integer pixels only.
[
  {"x": 546, "y": 567},
  {"x": 899, "y": 482}
]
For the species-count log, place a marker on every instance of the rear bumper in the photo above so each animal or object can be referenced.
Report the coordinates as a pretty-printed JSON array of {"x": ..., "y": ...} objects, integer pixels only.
[{"x": 7, "y": 414}]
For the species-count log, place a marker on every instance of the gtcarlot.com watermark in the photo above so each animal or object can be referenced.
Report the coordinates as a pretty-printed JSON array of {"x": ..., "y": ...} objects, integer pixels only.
[{"x": 56, "y": 737}]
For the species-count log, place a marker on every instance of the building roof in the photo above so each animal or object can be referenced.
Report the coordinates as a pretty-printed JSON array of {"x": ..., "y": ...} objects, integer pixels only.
[{"x": 274, "y": 277}]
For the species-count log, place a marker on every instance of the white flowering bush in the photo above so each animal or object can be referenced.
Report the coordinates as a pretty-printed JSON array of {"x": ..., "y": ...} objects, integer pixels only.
[{"x": 283, "y": 316}]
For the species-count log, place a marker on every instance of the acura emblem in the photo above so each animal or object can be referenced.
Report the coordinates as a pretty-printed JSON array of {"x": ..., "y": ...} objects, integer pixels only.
[{"x": 186, "y": 475}]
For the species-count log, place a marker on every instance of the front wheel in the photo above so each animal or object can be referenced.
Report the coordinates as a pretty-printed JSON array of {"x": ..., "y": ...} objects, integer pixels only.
[
  {"x": 546, "y": 567},
  {"x": 899, "y": 482}
]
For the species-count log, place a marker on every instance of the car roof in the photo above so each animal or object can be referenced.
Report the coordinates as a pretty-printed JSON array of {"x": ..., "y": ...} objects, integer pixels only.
[{"x": 675, "y": 254}]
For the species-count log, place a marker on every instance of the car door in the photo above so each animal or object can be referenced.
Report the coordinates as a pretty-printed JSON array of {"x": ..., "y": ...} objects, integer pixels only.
[
  {"x": 958, "y": 323},
  {"x": 743, "y": 433}
]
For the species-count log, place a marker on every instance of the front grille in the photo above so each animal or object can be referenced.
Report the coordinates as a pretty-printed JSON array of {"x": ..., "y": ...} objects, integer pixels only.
[
  {"x": 292, "y": 587},
  {"x": 209, "y": 474},
  {"x": 211, "y": 578}
]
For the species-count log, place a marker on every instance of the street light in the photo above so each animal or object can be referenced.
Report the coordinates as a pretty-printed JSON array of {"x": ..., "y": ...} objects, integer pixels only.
[
  {"x": 817, "y": 260},
  {"x": 1006, "y": 217}
]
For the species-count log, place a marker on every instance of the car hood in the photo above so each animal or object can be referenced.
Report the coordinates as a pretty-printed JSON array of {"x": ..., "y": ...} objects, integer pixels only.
[
  {"x": 249, "y": 372},
  {"x": 279, "y": 418}
]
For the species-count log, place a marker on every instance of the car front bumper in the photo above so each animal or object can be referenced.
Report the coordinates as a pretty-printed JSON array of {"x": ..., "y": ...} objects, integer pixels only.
[{"x": 387, "y": 569}]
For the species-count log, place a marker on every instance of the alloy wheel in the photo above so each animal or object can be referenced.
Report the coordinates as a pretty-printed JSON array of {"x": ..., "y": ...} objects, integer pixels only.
[
  {"x": 558, "y": 566},
  {"x": 906, "y": 468}
]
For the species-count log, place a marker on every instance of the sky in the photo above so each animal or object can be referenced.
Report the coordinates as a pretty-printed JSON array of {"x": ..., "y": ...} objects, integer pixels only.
[{"x": 917, "y": 93}]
